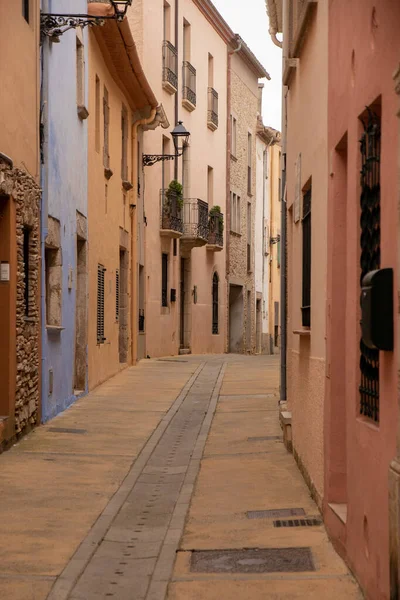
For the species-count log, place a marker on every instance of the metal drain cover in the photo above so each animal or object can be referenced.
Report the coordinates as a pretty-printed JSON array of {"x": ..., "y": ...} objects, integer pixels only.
[
  {"x": 266, "y": 438},
  {"x": 298, "y": 522},
  {"x": 275, "y": 513},
  {"x": 252, "y": 560},
  {"x": 66, "y": 430}
]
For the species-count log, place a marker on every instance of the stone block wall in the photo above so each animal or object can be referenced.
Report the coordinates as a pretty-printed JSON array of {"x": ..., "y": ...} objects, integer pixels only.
[
  {"x": 22, "y": 188},
  {"x": 244, "y": 106}
]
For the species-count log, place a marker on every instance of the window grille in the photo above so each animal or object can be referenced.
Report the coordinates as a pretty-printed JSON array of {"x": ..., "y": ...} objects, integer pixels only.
[
  {"x": 215, "y": 304},
  {"x": 117, "y": 295},
  {"x": 170, "y": 64},
  {"x": 164, "y": 285},
  {"x": 306, "y": 223},
  {"x": 212, "y": 115},
  {"x": 100, "y": 304},
  {"x": 189, "y": 82},
  {"x": 370, "y": 239}
]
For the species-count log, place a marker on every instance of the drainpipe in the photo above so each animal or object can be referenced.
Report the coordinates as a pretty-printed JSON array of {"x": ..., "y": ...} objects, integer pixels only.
[
  {"x": 285, "y": 54},
  {"x": 177, "y": 93},
  {"x": 133, "y": 204},
  {"x": 43, "y": 122}
]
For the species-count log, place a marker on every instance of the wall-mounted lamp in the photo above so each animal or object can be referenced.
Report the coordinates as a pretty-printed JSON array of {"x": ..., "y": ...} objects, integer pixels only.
[
  {"x": 53, "y": 25},
  {"x": 275, "y": 240},
  {"x": 180, "y": 135}
]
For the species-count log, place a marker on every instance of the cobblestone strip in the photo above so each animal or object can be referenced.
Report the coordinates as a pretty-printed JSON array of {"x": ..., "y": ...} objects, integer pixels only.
[
  {"x": 79, "y": 561},
  {"x": 165, "y": 563}
]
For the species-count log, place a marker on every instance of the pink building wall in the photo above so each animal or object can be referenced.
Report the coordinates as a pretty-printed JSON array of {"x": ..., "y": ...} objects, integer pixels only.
[{"x": 364, "y": 50}]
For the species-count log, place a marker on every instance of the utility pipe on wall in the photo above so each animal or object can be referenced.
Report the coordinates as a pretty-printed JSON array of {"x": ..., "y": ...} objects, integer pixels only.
[{"x": 133, "y": 204}]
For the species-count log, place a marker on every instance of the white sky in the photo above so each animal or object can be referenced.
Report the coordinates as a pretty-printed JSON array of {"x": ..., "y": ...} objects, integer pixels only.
[{"x": 249, "y": 19}]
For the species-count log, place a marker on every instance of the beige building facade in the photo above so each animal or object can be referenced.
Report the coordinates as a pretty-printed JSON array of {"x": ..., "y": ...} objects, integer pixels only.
[
  {"x": 183, "y": 284},
  {"x": 121, "y": 102},
  {"x": 19, "y": 220},
  {"x": 306, "y": 161}
]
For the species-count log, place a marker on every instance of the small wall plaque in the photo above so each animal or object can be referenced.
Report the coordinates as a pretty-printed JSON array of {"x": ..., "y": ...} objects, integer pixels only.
[{"x": 4, "y": 271}]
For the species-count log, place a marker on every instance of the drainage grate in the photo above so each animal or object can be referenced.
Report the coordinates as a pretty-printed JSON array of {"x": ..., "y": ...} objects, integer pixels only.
[
  {"x": 66, "y": 430},
  {"x": 252, "y": 560},
  {"x": 297, "y": 522},
  {"x": 276, "y": 513},
  {"x": 265, "y": 438}
]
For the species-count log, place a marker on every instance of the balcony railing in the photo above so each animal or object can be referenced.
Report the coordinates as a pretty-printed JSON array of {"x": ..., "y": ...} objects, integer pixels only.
[
  {"x": 170, "y": 214},
  {"x": 189, "y": 85},
  {"x": 212, "y": 113},
  {"x": 195, "y": 219},
  {"x": 216, "y": 230},
  {"x": 170, "y": 67}
]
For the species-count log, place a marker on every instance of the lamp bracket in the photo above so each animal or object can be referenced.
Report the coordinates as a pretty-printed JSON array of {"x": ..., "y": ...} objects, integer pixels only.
[{"x": 152, "y": 159}]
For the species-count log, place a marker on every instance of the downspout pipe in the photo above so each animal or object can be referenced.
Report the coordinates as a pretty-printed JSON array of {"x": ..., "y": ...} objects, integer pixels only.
[
  {"x": 133, "y": 205},
  {"x": 283, "y": 315},
  {"x": 176, "y": 106}
]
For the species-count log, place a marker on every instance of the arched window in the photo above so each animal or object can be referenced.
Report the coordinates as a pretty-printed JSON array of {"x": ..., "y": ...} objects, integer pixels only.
[{"x": 215, "y": 303}]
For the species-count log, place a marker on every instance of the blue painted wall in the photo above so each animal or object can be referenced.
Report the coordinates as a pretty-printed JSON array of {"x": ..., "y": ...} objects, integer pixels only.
[{"x": 64, "y": 183}]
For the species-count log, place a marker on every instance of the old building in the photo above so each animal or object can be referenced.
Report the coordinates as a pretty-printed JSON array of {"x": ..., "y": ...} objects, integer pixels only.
[
  {"x": 341, "y": 225},
  {"x": 267, "y": 239},
  {"x": 244, "y": 73},
  {"x": 121, "y": 103},
  {"x": 64, "y": 214},
  {"x": 19, "y": 221}
]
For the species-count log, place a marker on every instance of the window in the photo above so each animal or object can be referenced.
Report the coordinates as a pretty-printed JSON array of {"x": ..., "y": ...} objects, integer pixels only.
[
  {"x": 26, "y": 254},
  {"x": 186, "y": 40},
  {"x": 100, "y": 304},
  {"x": 124, "y": 143},
  {"x": 306, "y": 226},
  {"x": 117, "y": 295},
  {"x": 249, "y": 269},
  {"x": 210, "y": 186},
  {"x": 215, "y": 304},
  {"x": 164, "y": 283},
  {"x": 249, "y": 160},
  {"x": 25, "y": 10},
  {"x": 53, "y": 273},
  {"x": 235, "y": 213},
  {"x": 370, "y": 247},
  {"x": 233, "y": 135},
  {"x": 106, "y": 123},
  {"x": 97, "y": 115},
  {"x": 212, "y": 110},
  {"x": 167, "y": 21},
  {"x": 80, "y": 73}
]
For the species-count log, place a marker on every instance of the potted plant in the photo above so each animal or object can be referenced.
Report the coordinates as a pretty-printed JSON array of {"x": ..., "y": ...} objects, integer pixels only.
[
  {"x": 175, "y": 190},
  {"x": 215, "y": 212}
]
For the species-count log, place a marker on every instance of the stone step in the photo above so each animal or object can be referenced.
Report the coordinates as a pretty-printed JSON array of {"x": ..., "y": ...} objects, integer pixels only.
[{"x": 185, "y": 351}]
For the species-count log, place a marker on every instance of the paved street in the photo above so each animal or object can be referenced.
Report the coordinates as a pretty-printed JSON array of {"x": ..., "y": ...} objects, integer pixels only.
[{"x": 119, "y": 496}]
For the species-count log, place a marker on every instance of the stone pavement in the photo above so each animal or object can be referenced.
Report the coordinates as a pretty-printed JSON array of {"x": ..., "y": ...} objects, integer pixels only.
[{"x": 119, "y": 496}]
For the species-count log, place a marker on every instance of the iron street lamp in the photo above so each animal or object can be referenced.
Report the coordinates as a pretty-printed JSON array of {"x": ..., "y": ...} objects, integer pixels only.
[
  {"x": 180, "y": 135},
  {"x": 53, "y": 25}
]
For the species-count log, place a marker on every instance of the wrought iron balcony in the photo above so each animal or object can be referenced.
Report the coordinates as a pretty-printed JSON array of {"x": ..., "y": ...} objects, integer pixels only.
[
  {"x": 195, "y": 223},
  {"x": 171, "y": 224},
  {"x": 212, "y": 113},
  {"x": 215, "y": 232},
  {"x": 189, "y": 86},
  {"x": 170, "y": 67}
]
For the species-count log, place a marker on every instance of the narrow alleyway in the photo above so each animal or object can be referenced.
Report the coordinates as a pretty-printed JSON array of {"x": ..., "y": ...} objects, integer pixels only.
[{"x": 143, "y": 490}]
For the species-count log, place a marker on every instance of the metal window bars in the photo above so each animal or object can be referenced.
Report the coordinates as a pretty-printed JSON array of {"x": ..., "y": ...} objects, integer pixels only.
[
  {"x": 370, "y": 259},
  {"x": 306, "y": 223},
  {"x": 170, "y": 64},
  {"x": 195, "y": 218},
  {"x": 100, "y": 304},
  {"x": 212, "y": 114},
  {"x": 189, "y": 83}
]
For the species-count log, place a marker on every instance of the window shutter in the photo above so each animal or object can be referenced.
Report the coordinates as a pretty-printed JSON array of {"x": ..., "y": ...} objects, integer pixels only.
[{"x": 100, "y": 304}]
